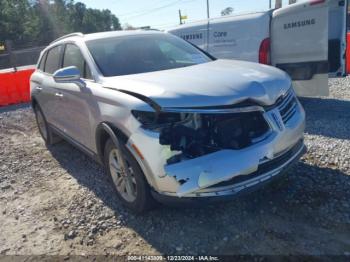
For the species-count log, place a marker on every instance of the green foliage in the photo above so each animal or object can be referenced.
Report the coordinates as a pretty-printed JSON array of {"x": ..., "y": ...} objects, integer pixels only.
[{"x": 37, "y": 22}]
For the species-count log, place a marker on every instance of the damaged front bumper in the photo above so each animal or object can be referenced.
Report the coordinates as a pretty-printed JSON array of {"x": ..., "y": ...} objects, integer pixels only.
[
  {"x": 225, "y": 172},
  {"x": 238, "y": 185},
  {"x": 240, "y": 181}
]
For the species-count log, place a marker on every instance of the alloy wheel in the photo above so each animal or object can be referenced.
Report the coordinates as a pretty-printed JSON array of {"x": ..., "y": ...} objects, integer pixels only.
[{"x": 123, "y": 176}]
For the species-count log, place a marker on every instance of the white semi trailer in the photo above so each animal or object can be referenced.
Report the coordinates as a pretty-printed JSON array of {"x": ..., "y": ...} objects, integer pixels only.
[{"x": 307, "y": 40}]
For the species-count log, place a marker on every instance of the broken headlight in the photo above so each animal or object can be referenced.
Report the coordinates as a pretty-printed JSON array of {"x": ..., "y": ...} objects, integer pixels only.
[
  {"x": 197, "y": 134},
  {"x": 155, "y": 121}
]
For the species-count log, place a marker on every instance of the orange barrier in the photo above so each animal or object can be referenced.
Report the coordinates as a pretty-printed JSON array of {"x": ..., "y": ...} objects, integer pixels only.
[
  {"x": 14, "y": 87},
  {"x": 348, "y": 53}
]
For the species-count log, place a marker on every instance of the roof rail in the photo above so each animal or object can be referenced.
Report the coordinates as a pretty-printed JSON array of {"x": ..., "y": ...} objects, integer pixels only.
[{"x": 66, "y": 36}]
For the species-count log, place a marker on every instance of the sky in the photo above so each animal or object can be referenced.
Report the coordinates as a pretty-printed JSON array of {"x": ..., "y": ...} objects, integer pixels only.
[{"x": 164, "y": 14}]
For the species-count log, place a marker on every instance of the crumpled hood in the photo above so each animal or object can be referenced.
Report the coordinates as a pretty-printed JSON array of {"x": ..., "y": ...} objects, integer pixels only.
[{"x": 217, "y": 83}]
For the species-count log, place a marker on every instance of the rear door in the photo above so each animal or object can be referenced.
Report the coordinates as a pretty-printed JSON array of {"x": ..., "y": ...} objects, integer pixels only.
[
  {"x": 308, "y": 42},
  {"x": 49, "y": 101}
]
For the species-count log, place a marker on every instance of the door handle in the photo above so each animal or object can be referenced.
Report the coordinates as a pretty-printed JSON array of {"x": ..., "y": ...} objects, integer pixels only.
[
  {"x": 38, "y": 88},
  {"x": 59, "y": 95}
]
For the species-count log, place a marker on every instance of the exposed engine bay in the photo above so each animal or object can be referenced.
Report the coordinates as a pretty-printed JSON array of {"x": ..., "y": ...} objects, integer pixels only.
[{"x": 197, "y": 134}]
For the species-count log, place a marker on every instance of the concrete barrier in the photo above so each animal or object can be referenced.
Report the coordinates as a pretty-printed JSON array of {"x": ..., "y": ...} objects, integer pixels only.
[{"x": 14, "y": 85}]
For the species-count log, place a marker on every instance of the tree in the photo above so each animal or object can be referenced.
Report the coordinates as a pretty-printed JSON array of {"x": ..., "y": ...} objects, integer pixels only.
[
  {"x": 227, "y": 11},
  {"x": 38, "y": 22},
  {"x": 14, "y": 20},
  {"x": 76, "y": 15},
  {"x": 115, "y": 23}
]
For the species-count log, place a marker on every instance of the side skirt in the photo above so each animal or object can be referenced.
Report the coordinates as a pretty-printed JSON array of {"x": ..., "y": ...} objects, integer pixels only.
[{"x": 76, "y": 144}]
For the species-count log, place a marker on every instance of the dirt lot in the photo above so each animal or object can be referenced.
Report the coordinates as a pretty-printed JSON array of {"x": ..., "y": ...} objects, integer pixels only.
[{"x": 57, "y": 201}]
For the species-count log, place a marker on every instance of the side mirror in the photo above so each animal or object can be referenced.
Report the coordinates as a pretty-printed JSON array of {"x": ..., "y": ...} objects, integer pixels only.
[{"x": 69, "y": 74}]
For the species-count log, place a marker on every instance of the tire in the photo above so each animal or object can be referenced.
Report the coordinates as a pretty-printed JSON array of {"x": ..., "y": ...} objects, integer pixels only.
[
  {"x": 134, "y": 192},
  {"x": 45, "y": 131}
]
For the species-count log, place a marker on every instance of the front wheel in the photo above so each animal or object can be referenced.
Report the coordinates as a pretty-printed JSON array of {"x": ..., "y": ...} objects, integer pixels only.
[{"x": 128, "y": 179}]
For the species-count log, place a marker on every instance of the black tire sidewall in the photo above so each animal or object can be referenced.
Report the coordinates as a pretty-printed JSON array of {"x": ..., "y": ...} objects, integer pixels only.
[
  {"x": 48, "y": 139},
  {"x": 143, "y": 199}
]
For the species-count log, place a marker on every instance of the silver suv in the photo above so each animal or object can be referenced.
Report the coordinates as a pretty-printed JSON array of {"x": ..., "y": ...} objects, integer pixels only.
[{"x": 167, "y": 120}]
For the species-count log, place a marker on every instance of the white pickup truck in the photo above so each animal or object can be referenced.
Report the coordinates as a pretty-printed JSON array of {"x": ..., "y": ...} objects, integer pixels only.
[{"x": 306, "y": 39}]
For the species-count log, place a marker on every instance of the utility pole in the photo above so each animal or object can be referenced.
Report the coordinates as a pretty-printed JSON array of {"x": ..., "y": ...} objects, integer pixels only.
[
  {"x": 208, "y": 15},
  {"x": 270, "y": 4},
  {"x": 180, "y": 17}
]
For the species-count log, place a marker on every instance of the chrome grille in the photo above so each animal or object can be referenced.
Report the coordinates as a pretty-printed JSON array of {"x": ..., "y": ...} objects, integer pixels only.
[{"x": 287, "y": 105}]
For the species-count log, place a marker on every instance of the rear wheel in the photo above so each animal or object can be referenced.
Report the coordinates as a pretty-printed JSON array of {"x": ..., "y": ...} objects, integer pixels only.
[
  {"x": 46, "y": 133},
  {"x": 128, "y": 179}
]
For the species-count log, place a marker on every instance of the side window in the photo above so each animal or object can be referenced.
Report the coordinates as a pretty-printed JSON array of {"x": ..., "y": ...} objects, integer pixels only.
[
  {"x": 42, "y": 62},
  {"x": 73, "y": 57},
  {"x": 53, "y": 60}
]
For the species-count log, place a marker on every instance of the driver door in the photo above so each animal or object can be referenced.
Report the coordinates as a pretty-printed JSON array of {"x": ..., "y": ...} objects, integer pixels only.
[{"x": 74, "y": 100}]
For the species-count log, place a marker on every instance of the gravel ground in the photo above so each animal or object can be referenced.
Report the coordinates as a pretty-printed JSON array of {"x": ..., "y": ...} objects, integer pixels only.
[{"x": 57, "y": 201}]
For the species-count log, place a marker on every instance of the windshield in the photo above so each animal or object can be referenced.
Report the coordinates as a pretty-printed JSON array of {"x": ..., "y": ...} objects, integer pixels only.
[{"x": 136, "y": 54}]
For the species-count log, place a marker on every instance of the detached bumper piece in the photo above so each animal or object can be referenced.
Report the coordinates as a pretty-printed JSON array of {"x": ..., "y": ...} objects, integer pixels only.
[
  {"x": 229, "y": 172},
  {"x": 281, "y": 162}
]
